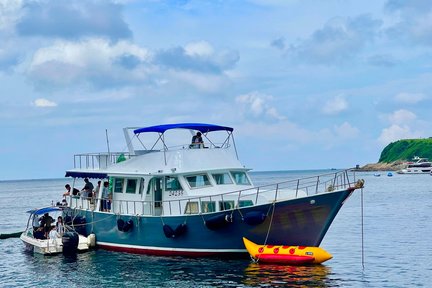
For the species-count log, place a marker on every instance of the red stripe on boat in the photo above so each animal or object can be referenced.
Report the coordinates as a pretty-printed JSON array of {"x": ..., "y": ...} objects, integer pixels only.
[{"x": 165, "y": 252}]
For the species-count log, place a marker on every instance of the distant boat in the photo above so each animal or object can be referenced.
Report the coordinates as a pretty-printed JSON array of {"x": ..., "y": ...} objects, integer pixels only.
[
  {"x": 377, "y": 175},
  {"x": 389, "y": 174},
  {"x": 420, "y": 166}
]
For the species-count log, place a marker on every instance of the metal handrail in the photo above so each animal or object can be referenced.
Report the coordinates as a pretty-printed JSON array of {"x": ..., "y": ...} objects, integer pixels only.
[
  {"x": 92, "y": 160},
  {"x": 320, "y": 185}
]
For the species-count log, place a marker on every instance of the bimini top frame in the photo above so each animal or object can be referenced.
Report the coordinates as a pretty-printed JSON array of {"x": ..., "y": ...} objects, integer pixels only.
[{"x": 201, "y": 127}]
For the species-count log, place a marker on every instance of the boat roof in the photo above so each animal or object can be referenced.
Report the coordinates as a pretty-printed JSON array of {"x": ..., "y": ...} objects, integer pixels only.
[
  {"x": 203, "y": 128},
  {"x": 44, "y": 210}
]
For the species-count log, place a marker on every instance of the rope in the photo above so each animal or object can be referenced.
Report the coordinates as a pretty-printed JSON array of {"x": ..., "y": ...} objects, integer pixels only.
[
  {"x": 268, "y": 232},
  {"x": 362, "y": 232},
  {"x": 92, "y": 222}
]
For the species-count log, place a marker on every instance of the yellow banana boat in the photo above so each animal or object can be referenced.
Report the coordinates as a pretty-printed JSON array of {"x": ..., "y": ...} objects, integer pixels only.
[{"x": 292, "y": 255}]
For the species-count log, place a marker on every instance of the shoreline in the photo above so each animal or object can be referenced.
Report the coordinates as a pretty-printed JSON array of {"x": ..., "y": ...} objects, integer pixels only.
[{"x": 392, "y": 166}]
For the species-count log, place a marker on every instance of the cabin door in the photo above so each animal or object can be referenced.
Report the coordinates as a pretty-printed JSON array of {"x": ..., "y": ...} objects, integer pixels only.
[{"x": 155, "y": 190}]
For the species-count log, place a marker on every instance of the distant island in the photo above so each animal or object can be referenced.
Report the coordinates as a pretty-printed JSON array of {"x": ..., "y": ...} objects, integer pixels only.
[{"x": 397, "y": 153}]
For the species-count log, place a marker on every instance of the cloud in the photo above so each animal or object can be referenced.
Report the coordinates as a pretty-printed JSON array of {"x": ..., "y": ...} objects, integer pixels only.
[
  {"x": 42, "y": 102},
  {"x": 100, "y": 63},
  {"x": 339, "y": 40},
  {"x": 396, "y": 132},
  {"x": 278, "y": 43},
  {"x": 198, "y": 56},
  {"x": 335, "y": 106},
  {"x": 72, "y": 19},
  {"x": 401, "y": 122},
  {"x": 401, "y": 116},
  {"x": 345, "y": 131},
  {"x": 410, "y": 98},
  {"x": 257, "y": 105},
  {"x": 9, "y": 14},
  {"x": 415, "y": 21},
  {"x": 94, "y": 61}
]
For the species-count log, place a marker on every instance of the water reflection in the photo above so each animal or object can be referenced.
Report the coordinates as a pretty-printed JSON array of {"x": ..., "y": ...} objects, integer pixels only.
[{"x": 258, "y": 274}]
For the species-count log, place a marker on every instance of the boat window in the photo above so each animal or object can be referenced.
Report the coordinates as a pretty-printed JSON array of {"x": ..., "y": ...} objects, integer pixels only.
[
  {"x": 208, "y": 206},
  {"x": 118, "y": 185},
  {"x": 191, "y": 208},
  {"x": 172, "y": 183},
  {"x": 245, "y": 203},
  {"x": 226, "y": 205},
  {"x": 131, "y": 185},
  {"x": 197, "y": 181},
  {"x": 222, "y": 178},
  {"x": 240, "y": 178}
]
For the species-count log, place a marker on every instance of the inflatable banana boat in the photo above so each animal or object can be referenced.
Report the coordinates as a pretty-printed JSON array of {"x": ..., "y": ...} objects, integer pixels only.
[{"x": 291, "y": 255}]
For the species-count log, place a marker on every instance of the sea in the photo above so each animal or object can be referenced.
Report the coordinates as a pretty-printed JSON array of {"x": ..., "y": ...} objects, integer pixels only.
[{"x": 382, "y": 237}]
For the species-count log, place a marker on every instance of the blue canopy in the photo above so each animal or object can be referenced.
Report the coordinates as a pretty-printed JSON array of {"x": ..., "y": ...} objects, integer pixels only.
[
  {"x": 45, "y": 210},
  {"x": 203, "y": 128},
  {"x": 77, "y": 174}
]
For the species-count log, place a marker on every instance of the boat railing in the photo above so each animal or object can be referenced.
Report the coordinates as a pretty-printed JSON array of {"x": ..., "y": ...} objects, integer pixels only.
[
  {"x": 97, "y": 161},
  {"x": 290, "y": 189}
]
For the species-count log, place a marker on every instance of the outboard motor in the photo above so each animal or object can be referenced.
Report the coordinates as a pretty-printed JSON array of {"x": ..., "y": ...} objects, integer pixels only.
[{"x": 70, "y": 241}]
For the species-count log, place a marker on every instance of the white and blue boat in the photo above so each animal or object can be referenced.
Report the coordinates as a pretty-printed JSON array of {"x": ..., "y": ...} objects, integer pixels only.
[{"x": 169, "y": 198}]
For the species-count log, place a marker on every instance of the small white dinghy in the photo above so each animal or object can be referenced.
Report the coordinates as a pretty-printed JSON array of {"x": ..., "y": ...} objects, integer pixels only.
[{"x": 41, "y": 237}]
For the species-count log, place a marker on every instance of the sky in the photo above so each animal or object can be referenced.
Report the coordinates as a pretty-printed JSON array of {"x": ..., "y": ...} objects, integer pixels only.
[{"x": 306, "y": 84}]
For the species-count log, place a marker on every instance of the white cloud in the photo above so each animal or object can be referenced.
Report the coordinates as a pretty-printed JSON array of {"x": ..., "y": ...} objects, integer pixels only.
[
  {"x": 42, "y": 102},
  {"x": 396, "y": 132},
  {"x": 95, "y": 61},
  {"x": 257, "y": 104},
  {"x": 73, "y": 19},
  {"x": 335, "y": 105},
  {"x": 202, "y": 48},
  {"x": 414, "y": 21},
  {"x": 9, "y": 13},
  {"x": 346, "y": 131},
  {"x": 102, "y": 64},
  {"x": 401, "y": 116},
  {"x": 339, "y": 40},
  {"x": 410, "y": 98}
]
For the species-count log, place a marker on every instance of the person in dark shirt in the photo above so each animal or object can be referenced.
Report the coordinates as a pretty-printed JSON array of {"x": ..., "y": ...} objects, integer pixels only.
[
  {"x": 45, "y": 221},
  {"x": 197, "y": 141},
  {"x": 68, "y": 191},
  {"x": 87, "y": 189}
]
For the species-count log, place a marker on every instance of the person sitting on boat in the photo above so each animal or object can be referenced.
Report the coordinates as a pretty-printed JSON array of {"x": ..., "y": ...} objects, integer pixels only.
[
  {"x": 68, "y": 191},
  {"x": 60, "y": 228},
  {"x": 106, "y": 199},
  {"x": 197, "y": 141},
  {"x": 87, "y": 190}
]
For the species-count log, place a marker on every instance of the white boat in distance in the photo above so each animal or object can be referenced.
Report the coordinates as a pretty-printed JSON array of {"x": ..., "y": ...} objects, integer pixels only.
[
  {"x": 420, "y": 166},
  {"x": 171, "y": 197}
]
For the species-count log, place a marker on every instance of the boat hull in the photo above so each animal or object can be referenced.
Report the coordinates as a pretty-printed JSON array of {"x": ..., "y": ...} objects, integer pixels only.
[{"x": 300, "y": 222}]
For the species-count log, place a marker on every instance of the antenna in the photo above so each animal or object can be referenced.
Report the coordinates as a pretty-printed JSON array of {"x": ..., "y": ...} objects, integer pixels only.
[{"x": 106, "y": 133}]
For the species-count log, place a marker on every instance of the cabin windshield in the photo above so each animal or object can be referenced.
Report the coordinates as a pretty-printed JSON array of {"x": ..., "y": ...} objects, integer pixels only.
[
  {"x": 172, "y": 183},
  {"x": 240, "y": 178},
  {"x": 198, "y": 181},
  {"x": 222, "y": 178}
]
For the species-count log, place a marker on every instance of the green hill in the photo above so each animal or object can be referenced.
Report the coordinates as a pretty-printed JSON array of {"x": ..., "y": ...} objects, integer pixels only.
[{"x": 406, "y": 150}]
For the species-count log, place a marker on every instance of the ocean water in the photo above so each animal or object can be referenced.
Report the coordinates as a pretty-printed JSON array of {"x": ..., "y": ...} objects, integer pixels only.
[{"x": 390, "y": 246}]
